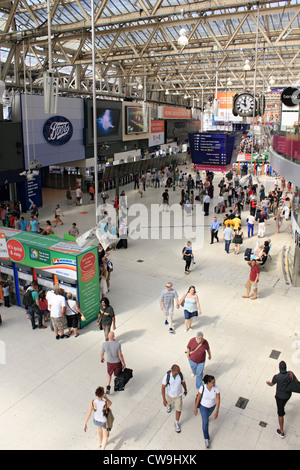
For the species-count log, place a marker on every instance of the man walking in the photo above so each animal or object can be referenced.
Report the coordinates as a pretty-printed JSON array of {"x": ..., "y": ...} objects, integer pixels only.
[
  {"x": 206, "y": 201},
  {"x": 227, "y": 236},
  {"x": 196, "y": 355},
  {"x": 253, "y": 280},
  {"x": 115, "y": 358},
  {"x": 166, "y": 301},
  {"x": 165, "y": 197},
  {"x": 250, "y": 224},
  {"x": 282, "y": 396},
  {"x": 214, "y": 228},
  {"x": 172, "y": 385}
]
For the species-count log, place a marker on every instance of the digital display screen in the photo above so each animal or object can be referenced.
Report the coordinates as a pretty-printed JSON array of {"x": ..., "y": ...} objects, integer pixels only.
[
  {"x": 208, "y": 149},
  {"x": 137, "y": 119},
  {"x": 108, "y": 121}
]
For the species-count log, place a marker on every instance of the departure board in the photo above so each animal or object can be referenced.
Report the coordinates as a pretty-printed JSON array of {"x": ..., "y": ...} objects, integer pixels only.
[{"x": 212, "y": 149}]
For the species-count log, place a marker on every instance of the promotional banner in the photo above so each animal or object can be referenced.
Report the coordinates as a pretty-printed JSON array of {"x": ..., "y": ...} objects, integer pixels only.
[
  {"x": 225, "y": 99},
  {"x": 174, "y": 113},
  {"x": 88, "y": 284},
  {"x": 157, "y": 133}
]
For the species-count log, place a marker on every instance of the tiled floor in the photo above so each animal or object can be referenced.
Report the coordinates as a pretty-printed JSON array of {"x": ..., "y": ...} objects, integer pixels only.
[{"x": 46, "y": 385}]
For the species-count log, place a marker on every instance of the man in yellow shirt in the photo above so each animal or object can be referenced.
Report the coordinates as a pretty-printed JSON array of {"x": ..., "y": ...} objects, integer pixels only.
[
  {"x": 229, "y": 223},
  {"x": 236, "y": 223}
]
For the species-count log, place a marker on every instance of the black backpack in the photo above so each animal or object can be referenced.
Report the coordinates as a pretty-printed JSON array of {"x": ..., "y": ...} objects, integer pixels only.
[
  {"x": 27, "y": 299},
  {"x": 168, "y": 377}
]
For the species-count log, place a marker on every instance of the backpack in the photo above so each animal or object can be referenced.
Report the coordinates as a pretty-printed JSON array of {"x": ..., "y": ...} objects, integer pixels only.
[
  {"x": 168, "y": 377},
  {"x": 27, "y": 299}
]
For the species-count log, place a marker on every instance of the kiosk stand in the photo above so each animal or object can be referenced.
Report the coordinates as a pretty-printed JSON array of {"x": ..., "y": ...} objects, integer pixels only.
[{"x": 51, "y": 261}]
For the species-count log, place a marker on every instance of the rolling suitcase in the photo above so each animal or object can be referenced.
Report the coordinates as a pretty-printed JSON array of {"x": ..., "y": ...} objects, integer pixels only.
[
  {"x": 247, "y": 254},
  {"x": 122, "y": 379}
]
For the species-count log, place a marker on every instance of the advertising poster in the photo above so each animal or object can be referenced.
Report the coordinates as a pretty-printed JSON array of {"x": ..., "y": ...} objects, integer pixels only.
[
  {"x": 88, "y": 285},
  {"x": 157, "y": 133},
  {"x": 225, "y": 107}
]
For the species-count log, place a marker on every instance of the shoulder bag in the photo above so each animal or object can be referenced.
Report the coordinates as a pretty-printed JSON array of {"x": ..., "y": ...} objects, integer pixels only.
[{"x": 109, "y": 417}]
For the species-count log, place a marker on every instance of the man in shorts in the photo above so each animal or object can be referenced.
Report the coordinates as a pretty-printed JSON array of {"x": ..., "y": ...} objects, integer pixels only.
[
  {"x": 252, "y": 281},
  {"x": 282, "y": 396},
  {"x": 115, "y": 358},
  {"x": 172, "y": 386},
  {"x": 166, "y": 302}
]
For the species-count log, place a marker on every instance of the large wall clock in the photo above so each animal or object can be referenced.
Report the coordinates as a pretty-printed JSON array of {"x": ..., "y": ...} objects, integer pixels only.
[{"x": 244, "y": 104}]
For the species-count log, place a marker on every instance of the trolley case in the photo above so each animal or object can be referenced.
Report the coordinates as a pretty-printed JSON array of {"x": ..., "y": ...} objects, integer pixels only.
[
  {"x": 247, "y": 254},
  {"x": 122, "y": 379}
]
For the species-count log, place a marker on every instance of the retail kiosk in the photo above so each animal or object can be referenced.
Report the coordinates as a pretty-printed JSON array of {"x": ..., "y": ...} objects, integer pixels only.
[{"x": 25, "y": 256}]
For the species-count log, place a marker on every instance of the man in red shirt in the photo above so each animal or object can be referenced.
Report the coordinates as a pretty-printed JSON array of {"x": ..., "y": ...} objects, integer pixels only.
[
  {"x": 196, "y": 354},
  {"x": 252, "y": 281}
]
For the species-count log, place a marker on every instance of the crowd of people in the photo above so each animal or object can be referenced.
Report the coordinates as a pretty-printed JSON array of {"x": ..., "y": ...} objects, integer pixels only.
[
  {"x": 55, "y": 305},
  {"x": 63, "y": 313}
]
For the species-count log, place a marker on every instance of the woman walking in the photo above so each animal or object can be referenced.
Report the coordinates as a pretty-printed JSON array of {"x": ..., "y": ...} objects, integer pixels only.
[
  {"x": 187, "y": 256},
  {"x": 208, "y": 399},
  {"x": 99, "y": 406},
  {"x": 106, "y": 317},
  {"x": 191, "y": 307},
  {"x": 238, "y": 240},
  {"x": 58, "y": 213}
]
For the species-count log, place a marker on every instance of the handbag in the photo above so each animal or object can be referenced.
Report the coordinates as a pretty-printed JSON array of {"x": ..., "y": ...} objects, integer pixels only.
[
  {"x": 294, "y": 384},
  {"x": 182, "y": 303},
  {"x": 109, "y": 417}
]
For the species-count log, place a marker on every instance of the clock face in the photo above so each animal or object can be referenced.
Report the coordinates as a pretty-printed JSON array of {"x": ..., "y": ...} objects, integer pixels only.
[{"x": 244, "y": 104}]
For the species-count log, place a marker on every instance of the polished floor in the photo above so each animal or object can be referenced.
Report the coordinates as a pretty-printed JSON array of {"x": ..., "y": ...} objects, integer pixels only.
[{"x": 46, "y": 385}]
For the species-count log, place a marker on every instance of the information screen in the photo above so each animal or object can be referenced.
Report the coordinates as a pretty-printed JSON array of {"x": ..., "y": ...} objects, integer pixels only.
[{"x": 211, "y": 148}]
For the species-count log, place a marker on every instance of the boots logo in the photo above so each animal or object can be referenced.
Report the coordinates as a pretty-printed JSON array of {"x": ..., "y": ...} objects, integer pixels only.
[{"x": 58, "y": 130}]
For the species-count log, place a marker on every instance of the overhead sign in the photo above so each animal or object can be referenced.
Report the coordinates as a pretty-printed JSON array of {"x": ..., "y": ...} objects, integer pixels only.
[
  {"x": 57, "y": 130},
  {"x": 174, "y": 113}
]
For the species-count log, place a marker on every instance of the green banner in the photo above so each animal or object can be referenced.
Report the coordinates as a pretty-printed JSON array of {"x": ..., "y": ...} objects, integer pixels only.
[{"x": 88, "y": 285}]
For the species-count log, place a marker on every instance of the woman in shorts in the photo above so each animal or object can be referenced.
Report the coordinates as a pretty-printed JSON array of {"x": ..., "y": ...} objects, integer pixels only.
[
  {"x": 73, "y": 314},
  {"x": 191, "y": 307},
  {"x": 98, "y": 405}
]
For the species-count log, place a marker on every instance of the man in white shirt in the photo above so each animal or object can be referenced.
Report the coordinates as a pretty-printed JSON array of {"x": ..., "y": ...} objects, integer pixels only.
[
  {"x": 227, "y": 236},
  {"x": 206, "y": 201},
  {"x": 251, "y": 223},
  {"x": 172, "y": 384},
  {"x": 78, "y": 193},
  {"x": 57, "y": 307}
]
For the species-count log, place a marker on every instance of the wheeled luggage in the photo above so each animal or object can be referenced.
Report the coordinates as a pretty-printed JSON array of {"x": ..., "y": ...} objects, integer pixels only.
[
  {"x": 122, "y": 379},
  {"x": 247, "y": 254}
]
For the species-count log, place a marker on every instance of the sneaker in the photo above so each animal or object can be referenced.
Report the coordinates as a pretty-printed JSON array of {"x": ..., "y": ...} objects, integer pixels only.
[
  {"x": 166, "y": 323},
  {"x": 207, "y": 443},
  {"x": 171, "y": 330},
  {"x": 169, "y": 407},
  {"x": 280, "y": 434},
  {"x": 177, "y": 427}
]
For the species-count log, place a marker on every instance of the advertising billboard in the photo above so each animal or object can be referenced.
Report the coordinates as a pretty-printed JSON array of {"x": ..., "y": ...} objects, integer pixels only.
[
  {"x": 52, "y": 139},
  {"x": 108, "y": 121}
]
